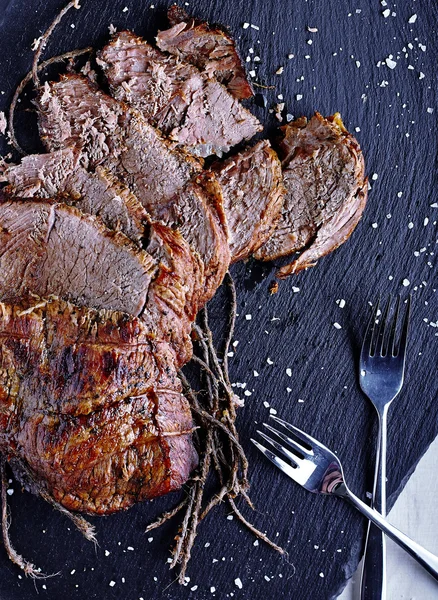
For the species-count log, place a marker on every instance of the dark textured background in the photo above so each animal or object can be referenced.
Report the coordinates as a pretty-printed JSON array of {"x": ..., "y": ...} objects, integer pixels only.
[{"x": 399, "y": 139}]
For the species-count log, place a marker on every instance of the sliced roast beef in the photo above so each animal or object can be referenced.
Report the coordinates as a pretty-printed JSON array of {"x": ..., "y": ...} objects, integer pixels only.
[
  {"x": 48, "y": 248},
  {"x": 253, "y": 194},
  {"x": 90, "y": 406},
  {"x": 208, "y": 47},
  {"x": 193, "y": 110},
  {"x": 323, "y": 172},
  {"x": 58, "y": 174},
  {"x": 110, "y": 134}
]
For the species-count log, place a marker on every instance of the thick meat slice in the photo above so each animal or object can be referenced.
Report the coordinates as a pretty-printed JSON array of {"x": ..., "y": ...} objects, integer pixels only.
[
  {"x": 323, "y": 172},
  {"x": 253, "y": 192},
  {"x": 48, "y": 248},
  {"x": 90, "y": 406},
  {"x": 208, "y": 47},
  {"x": 110, "y": 134},
  {"x": 100, "y": 193},
  {"x": 193, "y": 110}
]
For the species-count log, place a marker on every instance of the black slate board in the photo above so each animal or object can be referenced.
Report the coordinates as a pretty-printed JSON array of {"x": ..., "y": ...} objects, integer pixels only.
[{"x": 323, "y": 536}]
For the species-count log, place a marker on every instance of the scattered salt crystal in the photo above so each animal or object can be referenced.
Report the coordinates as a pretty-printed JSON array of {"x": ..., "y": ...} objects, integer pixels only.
[
  {"x": 248, "y": 59},
  {"x": 307, "y": 56},
  {"x": 266, "y": 404},
  {"x": 341, "y": 303},
  {"x": 256, "y": 374},
  {"x": 434, "y": 205},
  {"x": 321, "y": 574},
  {"x": 212, "y": 589},
  {"x": 252, "y": 73},
  {"x": 112, "y": 583},
  {"x": 125, "y": 9},
  {"x": 112, "y": 29},
  {"x": 288, "y": 390},
  {"x": 357, "y": 63},
  {"x": 150, "y": 539},
  {"x": 289, "y": 117},
  {"x": 130, "y": 548},
  {"x": 272, "y": 411},
  {"x": 312, "y": 29},
  {"x": 269, "y": 361},
  {"x": 391, "y": 64},
  {"x": 238, "y": 583},
  {"x": 374, "y": 225},
  {"x": 107, "y": 552},
  {"x": 290, "y": 56},
  {"x": 245, "y": 25},
  {"x": 299, "y": 96},
  {"x": 256, "y": 27},
  {"x": 357, "y": 129},
  {"x": 207, "y": 544},
  {"x": 247, "y": 393},
  {"x": 44, "y": 587},
  {"x": 230, "y": 354},
  {"x": 426, "y": 221},
  {"x": 412, "y": 19},
  {"x": 374, "y": 176},
  {"x": 386, "y": 12},
  {"x": 36, "y": 43},
  {"x": 430, "y": 110},
  {"x": 310, "y": 42},
  {"x": 316, "y": 547},
  {"x": 421, "y": 75},
  {"x": 194, "y": 588},
  {"x": 10, "y": 491},
  {"x": 256, "y": 543},
  {"x": 300, "y": 400},
  {"x": 248, "y": 317},
  {"x": 399, "y": 194},
  {"x": 295, "y": 289},
  {"x": 251, "y": 50},
  {"x": 406, "y": 282},
  {"x": 289, "y": 372},
  {"x": 230, "y": 517},
  {"x": 422, "y": 47},
  {"x": 279, "y": 71},
  {"x": 337, "y": 326},
  {"x": 267, "y": 578}
]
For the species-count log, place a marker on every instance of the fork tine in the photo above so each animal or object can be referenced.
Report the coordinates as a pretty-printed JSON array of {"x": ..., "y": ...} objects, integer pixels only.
[
  {"x": 287, "y": 453},
  {"x": 301, "y": 435},
  {"x": 383, "y": 329},
  {"x": 368, "y": 338},
  {"x": 401, "y": 351},
  {"x": 278, "y": 462},
  {"x": 292, "y": 443},
  {"x": 393, "y": 333}
]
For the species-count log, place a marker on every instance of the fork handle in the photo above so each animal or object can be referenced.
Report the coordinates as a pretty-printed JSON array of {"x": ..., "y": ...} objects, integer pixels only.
[
  {"x": 373, "y": 583},
  {"x": 426, "y": 559}
]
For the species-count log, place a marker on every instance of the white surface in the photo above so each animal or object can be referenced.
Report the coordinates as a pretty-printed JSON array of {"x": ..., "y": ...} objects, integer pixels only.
[{"x": 416, "y": 514}]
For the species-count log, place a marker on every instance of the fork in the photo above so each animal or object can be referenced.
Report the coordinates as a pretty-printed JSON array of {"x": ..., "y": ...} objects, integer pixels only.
[
  {"x": 381, "y": 368},
  {"x": 318, "y": 470}
]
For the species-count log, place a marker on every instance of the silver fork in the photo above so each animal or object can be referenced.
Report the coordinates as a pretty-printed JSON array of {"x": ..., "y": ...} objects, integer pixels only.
[
  {"x": 381, "y": 365},
  {"x": 318, "y": 470}
]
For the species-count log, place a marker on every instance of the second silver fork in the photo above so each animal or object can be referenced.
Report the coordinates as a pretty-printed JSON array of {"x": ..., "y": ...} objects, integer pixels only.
[{"x": 382, "y": 362}]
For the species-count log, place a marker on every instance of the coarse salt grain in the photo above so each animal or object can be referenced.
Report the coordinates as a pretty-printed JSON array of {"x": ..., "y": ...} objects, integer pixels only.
[
  {"x": 256, "y": 27},
  {"x": 107, "y": 552},
  {"x": 245, "y": 25},
  {"x": 212, "y": 589},
  {"x": 248, "y": 317},
  {"x": 112, "y": 583},
  {"x": 374, "y": 225},
  {"x": 289, "y": 372},
  {"x": 406, "y": 282},
  {"x": 430, "y": 110},
  {"x": 386, "y": 12},
  {"x": 255, "y": 543},
  {"x": 412, "y": 19},
  {"x": 266, "y": 404},
  {"x": 391, "y": 64},
  {"x": 125, "y": 9},
  {"x": 269, "y": 361},
  {"x": 337, "y": 326},
  {"x": 421, "y": 75},
  {"x": 252, "y": 73},
  {"x": 279, "y": 71},
  {"x": 341, "y": 303},
  {"x": 238, "y": 583},
  {"x": 299, "y": 97},
  {"x": 295, "y": 289},
  {"x": 321, "y": 574},
  {"x": 374, "y": 176}
]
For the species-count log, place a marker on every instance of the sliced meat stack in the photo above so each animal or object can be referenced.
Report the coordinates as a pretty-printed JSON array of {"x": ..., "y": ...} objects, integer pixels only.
[
  {"x": 113, "y": 240},
  {"x": 323, "y": 172},
  {"x": 190, "y": 108}
]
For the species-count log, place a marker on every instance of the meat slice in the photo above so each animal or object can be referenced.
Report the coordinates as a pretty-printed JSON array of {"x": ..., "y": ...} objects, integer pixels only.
[
  {"x": 48, "y": 248},
  {"x": 191, "y": 109},
  {"x": 323, "y": 172},
  {"x": 59, "y": 174},
  {"x": 117, "y": 138},
  {"x": 208, "y": 47},
  {"x": 90, "y": 406},
  {"x": 253, "y": 192}
]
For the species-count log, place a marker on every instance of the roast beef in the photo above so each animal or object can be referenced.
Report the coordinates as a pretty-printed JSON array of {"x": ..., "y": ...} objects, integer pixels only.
[
  {"x": 253, "y": 194},
  {"x": 191, "y": 109},
  {"x": 49, "y": 248},
  {"x": 100, "y": 193},
  {"x": 208, "y": 47},
  {"x": 111, "y": 135},
  {"x": 90, "y": 406},
  {"x": 323, "y": 172}
]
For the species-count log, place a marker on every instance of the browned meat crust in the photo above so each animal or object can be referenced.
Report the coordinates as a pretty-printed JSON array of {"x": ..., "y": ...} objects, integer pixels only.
[
  {"x": 196, "y": 112},
  {"x": 323, "y": 172},
  {"x": 91, "y": 404},
  {"x": 253, "y": 192},
  {"x": 208, "y": 47}
]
